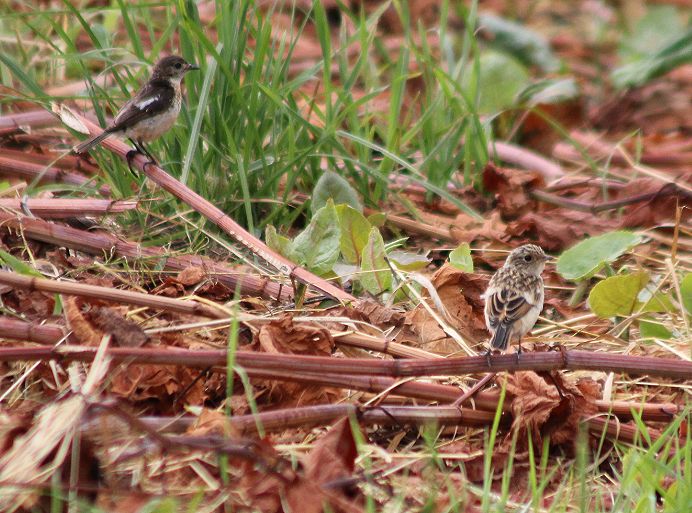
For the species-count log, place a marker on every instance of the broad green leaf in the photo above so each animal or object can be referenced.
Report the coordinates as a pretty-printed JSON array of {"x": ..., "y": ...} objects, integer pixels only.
[
  {"x": 659, "y": 302},
  {"x": 528, "y": 46},
  {"x": 550, "y": 91},
  {"x": 354, "y": 232},
  {"x": 590, "y": 255},
  {"x": 318, "y": 246},
  {"x": 654, "y": 31},
  {"x": 332, "y": 185},
  {"x": 407, "y": 261},
  {"x": 617, "y": 295},
  {"x": 650, "y": 329},
  {"x": 376, "y": 276},
  {"x": 377, "y": 219},
  {"x": 461, "y": 257},
  {"x": 686, "y": 292},
  {"x": 279, "y": 243},
  {"x": 346, "y": 272},
  {"x": 677, "y": 53},
  {"x": 501, "y": 79}
]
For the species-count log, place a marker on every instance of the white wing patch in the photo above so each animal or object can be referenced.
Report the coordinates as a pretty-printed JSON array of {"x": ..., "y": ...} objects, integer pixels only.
[{"x": 144, "y": 103}]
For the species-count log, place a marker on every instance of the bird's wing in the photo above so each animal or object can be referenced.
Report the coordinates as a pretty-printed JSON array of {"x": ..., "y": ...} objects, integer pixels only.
[
  {"x": 503, "y": 305},
  {"x": 503, "y": 308},
  {"x": 154, "y": 98}
]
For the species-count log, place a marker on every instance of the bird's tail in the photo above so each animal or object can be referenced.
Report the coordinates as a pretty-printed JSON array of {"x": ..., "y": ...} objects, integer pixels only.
[
  {"x": 500, "y": 339},
  {"x": 90, "y": 143}
]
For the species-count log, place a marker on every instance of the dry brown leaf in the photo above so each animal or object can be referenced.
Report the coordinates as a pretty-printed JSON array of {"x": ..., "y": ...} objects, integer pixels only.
[
  {"x": 268, "y": 490},
  {"x": 467, "y": 229},
  {"x": 532, "y": 401},
  {"x": 140, "y": 382},
  {"x": 655, "y": 211},
  {"x": 557, "y": 229},
  {"x": 212, "y": 423},
  {"x": 164, "y": 383},
  {"x": 215, "y": 290},
  {"x": 333, "y": 456},
  {"x": 125, "y": 333},
  {"x": 83, "y": 330},
  {"x": 375, "y": 313},
  {"x": 32, "y": 302},
  {"x": 511, "y": 188},
  {"x": 191, "y": 275},
  {"x": 169, "y": 288},
  {"x": 284, "y": 336},
  {"x": 460, "y": 293},
  {"x": 539, "y": 408}
]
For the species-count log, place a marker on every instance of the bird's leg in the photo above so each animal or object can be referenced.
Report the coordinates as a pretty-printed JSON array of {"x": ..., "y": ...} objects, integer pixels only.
[
  {"x": 487, "y": 357},
  {"x": 146, "y": 152},
  {"x": 129, "y": 156},
  {"x": 141, "y": 149},
  {"x": 519, "y": 350}
]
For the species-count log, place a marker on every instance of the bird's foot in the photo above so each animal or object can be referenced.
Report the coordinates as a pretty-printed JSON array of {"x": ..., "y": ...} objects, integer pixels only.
[
  {"x": 150, "y": 162},
  {"x": 129, "y": 157},
  {"x": 487, "y": 358},
  {"x": 518, "y": 353}
]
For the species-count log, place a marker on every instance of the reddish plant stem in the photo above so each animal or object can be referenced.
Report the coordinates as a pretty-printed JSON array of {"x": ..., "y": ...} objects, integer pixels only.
[
  {"x": 377, "y": 384},
  {"x": 22, "y": 330},
  {"x": 64, "y": 162},
  {"x": 572, "y": 360},
  {"x": 33, "y": 118},
  {"x": 473, "y": 390},
  {"x": 669, "y": 189},
  {"x": 310, "y": 416},
  {"x": 101, "y": 243},
  {"x": 58, "y": 208},
  {"x": 128, "y": 297},
  {"x": 30, "y": 171},
  {"x": 526, "y": 158},
  {"x": 216, "y": 216}
]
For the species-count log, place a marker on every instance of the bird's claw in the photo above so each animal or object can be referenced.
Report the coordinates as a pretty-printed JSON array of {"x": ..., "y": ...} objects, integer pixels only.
[
  {"x": 150, "y": 162},
  {"x": 518, "y": 353}
]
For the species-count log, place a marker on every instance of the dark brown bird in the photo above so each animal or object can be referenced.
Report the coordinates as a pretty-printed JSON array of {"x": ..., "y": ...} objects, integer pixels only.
[{"x": 152, "y": 111}]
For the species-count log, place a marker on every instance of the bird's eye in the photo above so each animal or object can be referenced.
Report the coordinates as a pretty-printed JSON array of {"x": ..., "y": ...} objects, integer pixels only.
[
  {"x": 178, "y": 65},
  {"x": 527, "y": 258}
]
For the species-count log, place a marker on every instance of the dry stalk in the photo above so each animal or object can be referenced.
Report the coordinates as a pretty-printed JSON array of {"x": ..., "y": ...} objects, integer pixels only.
[
  {"x": 58, "y": 208},
  {"x": 69, "y": 162},
  {"x": 457, "y": 366},
  {"x": 316, "y": 415},
  {"x": 127, "y": 297},
  {"x": 101, "y": 243},
  {"x": 33, "y": 118},
  {"x": 30, "y": 171}
]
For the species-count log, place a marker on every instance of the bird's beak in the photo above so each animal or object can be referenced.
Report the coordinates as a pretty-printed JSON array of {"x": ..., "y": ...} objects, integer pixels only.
[{"x": 191, "y": 67}]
